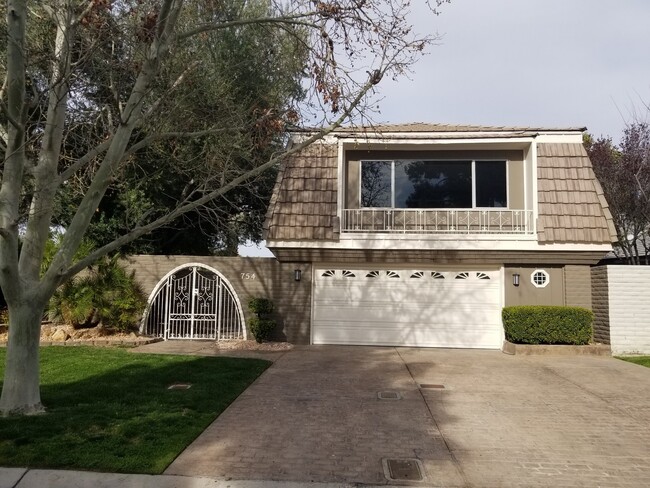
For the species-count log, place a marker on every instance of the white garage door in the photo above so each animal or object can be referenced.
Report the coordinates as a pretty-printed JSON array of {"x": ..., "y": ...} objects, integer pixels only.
[{"x": 407, "y": 307}]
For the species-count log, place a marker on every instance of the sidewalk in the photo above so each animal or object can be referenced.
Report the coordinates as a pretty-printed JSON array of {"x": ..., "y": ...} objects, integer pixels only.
[{"x": 48, "y": 478}]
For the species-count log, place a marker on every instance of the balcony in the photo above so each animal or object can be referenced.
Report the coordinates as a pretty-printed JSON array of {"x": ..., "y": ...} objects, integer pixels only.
[{"x": 425, "y": 221}]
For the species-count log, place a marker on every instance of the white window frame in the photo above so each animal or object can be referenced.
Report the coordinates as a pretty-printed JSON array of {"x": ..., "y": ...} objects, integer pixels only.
[
  {"x": 473, "y": 176},
  {"x": 546, "y": 281}
]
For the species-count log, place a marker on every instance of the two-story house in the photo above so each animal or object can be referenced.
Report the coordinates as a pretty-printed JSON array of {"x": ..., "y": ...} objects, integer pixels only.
[{"x": 419, "y": 234}]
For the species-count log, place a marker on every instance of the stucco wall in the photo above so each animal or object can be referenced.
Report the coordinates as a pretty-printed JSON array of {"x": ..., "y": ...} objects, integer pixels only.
[
  {"x": 628, "y": 307},
  {"x": 250, "y": 277}
]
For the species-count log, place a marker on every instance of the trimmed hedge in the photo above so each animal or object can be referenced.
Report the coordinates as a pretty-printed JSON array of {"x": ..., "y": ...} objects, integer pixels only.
[
  {"x": 541, "y": 324},
  {"x": 261, "y": 328},
  {"x": 260, "y": 306},
  {"x": 261, "y": 325}
]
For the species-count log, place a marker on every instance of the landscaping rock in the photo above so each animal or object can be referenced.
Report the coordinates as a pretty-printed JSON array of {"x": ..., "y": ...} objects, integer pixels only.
[
  {"x": 47, "y": 331},
  {"x": 251, "y": 345},
  {"x": 89, "y": 334},
  {"x": 60, "y": 336},
  {"x": 66, "y": 335}
]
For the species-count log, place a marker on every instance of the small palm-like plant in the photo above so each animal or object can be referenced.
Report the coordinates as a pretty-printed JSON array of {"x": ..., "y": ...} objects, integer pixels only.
[
  {"x": 73, "y": 303},
  {"x": 107, "y": 294}
]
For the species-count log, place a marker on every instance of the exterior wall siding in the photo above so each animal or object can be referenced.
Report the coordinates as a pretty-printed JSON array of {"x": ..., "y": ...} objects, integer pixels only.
[
  {"x": 527, "y": 293},
  {"x": 250, "y": 277},
  {"x": 600, "y": 292},
  {"x": 577, "y": 285},
  {"x": 629, "y": 309}
]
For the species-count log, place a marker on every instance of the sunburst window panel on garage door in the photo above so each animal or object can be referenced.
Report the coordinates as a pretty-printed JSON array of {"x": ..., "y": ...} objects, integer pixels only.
[{"x": 411, "y": 307}]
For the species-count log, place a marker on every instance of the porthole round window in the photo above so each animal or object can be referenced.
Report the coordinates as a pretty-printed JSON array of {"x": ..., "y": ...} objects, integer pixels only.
[{"x": 539, "y": 278}]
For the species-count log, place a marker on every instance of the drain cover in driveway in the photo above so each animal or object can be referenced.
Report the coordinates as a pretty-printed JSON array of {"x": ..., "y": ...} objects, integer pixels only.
[
  {"x": 427, "y": 386},
  {"x": 403, "y": 469},
  {"x": 389, "y": 395}
]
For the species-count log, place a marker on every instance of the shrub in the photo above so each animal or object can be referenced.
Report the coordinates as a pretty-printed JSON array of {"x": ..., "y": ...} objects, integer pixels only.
[
  {"x": 547, "y": 324},
  {"x": 260, "y": 306},
  {"x": 107, "y": 294},
  {"x": 261, "y": 326},
  {"x": 73, "y": 303}
]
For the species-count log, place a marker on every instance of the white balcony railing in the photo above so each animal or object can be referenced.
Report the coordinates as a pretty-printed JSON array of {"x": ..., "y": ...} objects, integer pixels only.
[{"x": 425, "y": 221}]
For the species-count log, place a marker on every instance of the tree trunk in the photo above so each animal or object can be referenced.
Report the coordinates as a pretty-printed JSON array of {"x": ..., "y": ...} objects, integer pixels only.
[{"x": 21, "y": 393}]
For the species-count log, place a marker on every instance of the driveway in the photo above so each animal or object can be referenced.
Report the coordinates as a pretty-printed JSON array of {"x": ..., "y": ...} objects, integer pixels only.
[{"x": 483, "y": 419}]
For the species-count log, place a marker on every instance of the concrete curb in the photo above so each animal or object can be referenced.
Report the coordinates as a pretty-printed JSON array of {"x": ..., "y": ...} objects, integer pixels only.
[
  {"x": 555, "y": 350},
  {"x": 47, "y": 478},
  {"x": 97, "y": 342}
]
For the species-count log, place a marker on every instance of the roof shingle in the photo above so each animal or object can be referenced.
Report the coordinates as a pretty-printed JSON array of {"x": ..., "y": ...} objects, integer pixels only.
[
  {"x": 303, "y": 205},
  {"x": 571, "y": 203},
  {"x": 415, "y": 127},
  {"x": 572, "y": 208}
]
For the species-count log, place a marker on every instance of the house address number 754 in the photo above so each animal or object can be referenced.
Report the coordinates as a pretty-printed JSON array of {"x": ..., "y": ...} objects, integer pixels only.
[{"x": 248, "y": 276}]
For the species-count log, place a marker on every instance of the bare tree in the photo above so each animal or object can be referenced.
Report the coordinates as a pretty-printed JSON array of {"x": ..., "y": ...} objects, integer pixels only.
[
  {"x": 624, "y": 173},
  {"x": 349, "y": 46}
]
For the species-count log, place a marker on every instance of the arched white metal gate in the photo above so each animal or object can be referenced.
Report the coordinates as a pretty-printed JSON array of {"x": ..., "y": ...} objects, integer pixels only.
[{"x": 194, "y": 301}]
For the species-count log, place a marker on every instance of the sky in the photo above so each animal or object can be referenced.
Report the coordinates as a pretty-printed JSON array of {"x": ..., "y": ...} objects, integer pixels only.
[
  {"x": 535, "y": 63},
  {"x": 549, "y": 63}
]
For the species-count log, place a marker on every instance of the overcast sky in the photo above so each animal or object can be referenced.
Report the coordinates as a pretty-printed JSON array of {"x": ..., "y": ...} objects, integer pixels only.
[
  {"x": 543, "y": 63},
  {"x": 548, "y": 63}
]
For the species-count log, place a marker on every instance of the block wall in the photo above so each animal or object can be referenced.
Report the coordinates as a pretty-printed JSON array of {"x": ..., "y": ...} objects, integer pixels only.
[
  {"x": 600, "y": 298},
  {"x": 577, "y": 286},
  {"x": 250, "y": 277},
  {"x": 628, "y": 308}
]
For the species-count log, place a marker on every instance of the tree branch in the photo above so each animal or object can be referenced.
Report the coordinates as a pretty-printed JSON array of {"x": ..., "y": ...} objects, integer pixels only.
[
  {"x": 84, "y": 160},
  {"x": 183, "y": 209},
  {"x": 14, "y": 164},
  {"x": 46, "y": 181},
  {"x": 10, "y": 117},
  {"x": 287, "y": 20},
  {"x": 170, "y": 135},
  {"x": 154, "y": 106},
  {"x": 130, "y": 118},
  {"x": 77, "y": 20}
]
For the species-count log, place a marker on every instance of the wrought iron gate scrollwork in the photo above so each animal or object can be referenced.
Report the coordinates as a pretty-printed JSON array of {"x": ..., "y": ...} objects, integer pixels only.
[{"x": 194, "y": 302}]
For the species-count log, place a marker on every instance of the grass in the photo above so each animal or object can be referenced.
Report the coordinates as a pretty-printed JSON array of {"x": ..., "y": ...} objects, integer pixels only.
[
  {"x": 642, "y": 360},
  {"x": 110, "y": 410}
]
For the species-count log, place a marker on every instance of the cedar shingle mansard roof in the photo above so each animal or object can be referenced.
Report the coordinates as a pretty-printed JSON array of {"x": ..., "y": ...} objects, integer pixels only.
[{"x": 572, "y": 208}]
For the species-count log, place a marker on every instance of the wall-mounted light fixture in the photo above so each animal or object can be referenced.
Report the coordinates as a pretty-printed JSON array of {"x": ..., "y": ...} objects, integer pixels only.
[
  {"x": 515, "y": 279},
  {"x": 297, "y": 274}
]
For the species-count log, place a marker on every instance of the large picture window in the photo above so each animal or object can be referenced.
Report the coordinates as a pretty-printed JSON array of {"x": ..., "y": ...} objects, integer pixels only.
[{"x": 434, "y": 184}]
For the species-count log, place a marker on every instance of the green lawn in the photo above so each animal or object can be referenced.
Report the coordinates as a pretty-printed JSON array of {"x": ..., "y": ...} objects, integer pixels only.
[
  {"x": 642, "y": 360},
  {"x": 110, "y": 410}
]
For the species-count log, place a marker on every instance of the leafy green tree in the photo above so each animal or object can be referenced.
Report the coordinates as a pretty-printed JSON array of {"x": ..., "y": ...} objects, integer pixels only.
[
  {"x": 245, "y": 73},
  {"x": 93, "y": 90}
]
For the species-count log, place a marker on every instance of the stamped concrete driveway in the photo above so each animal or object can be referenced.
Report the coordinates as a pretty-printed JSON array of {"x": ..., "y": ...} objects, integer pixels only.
[{"x": 499, "y": 421}]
